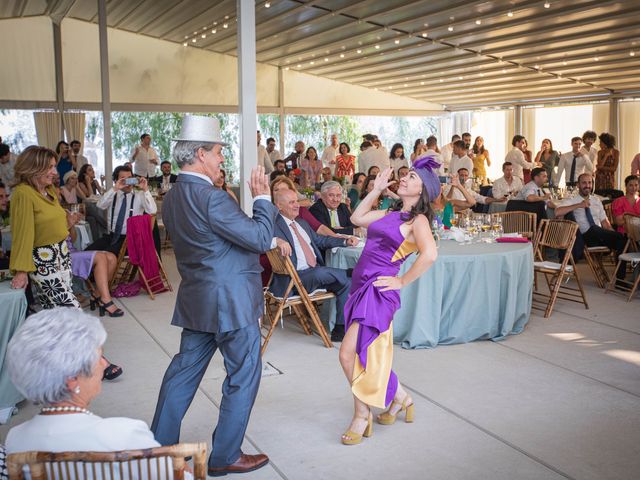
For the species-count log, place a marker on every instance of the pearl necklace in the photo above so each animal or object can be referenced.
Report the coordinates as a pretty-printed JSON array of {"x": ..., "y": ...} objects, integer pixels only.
[{"x": 65, "y": 410}]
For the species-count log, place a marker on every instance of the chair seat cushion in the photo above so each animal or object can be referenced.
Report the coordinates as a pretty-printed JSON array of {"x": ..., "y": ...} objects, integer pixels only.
[
  {"x": 546, "y": 265},
  {"x": 630, "y": 257}
]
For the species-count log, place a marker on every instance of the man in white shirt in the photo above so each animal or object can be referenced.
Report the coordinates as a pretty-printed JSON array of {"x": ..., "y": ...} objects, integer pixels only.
[
  {"x": 461, "y": 196},
  {"x": 263, "y": 156},
  {"x": 573, "y": 163},
  {"x": 121, "y": 203},
  {"x": 271, "y": 150},
  {"x": 460, "y": 159},
  {"x": 588, "y": 150},
  {"x": 329, "y": 154},
  {"x": 7, "y": 166},
  {"x": 591, "y": 218},
  {"x": 447, "y": 151},
  {"x": 75, "y": 152},
  {"x": 517, "y": 158},
  {"x": 507, "y": 185},
  {"x": 533, "y": 191},
  {"x": 432, "y": 151},
  {"x": 370, "y": 156},
  {"x": 144, "y": 158}
]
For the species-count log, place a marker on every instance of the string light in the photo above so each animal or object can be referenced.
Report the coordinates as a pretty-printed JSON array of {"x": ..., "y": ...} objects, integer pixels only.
[
  {"x": 450, "y": 28},
  {"x": 547, "y": 5},
  {"x": 478, "y": 22},
  {"x": 510, "y": 14},
  {"x": 267, "y": 4},
  {"x": 632, "y": 53}
]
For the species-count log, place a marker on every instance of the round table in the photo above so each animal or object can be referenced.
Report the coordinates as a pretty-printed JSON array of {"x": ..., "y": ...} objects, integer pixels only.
[
  {"x": 472, "y": 292},
  {"x": 13, "y": 307}
]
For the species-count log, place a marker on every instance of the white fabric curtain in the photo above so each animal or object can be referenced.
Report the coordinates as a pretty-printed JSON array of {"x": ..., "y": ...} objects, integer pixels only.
[
  {"x": 48, "y": 128},
  {"x": 629, "y": 141},
  {"x": 74, "y": 125}
]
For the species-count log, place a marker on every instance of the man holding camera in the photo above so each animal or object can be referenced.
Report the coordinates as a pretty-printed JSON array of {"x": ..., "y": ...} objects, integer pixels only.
[{"x": 128, "y": 197}]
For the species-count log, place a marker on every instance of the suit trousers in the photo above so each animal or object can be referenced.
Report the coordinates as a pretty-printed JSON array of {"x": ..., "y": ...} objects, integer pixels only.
[
  {"x": 333, "y": 280},
  {"x": 241, "y": 353},
  {"x": 598, "y": 236}
]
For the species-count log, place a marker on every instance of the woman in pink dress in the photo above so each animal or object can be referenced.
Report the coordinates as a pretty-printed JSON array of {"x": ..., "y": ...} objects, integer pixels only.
[
  {"x": 366, "y": 352},
  {"x": 630, "y": 203},
  {"x": 311, "y": 168}
]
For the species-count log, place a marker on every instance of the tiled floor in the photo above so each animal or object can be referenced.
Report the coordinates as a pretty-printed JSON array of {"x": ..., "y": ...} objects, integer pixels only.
[{"x": 560, "y": 400}]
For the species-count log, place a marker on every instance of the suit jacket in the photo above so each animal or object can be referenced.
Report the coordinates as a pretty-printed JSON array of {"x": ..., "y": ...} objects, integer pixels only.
[
  {"x": 321, "y": 212},
  {"x": 158, "y": 179},
  {"x": 318, "y": 243},
  {"x": 217, "y": 249}
]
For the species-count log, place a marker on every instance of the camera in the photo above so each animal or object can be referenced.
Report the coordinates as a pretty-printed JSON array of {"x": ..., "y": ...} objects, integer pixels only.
[{"x": 131, "y": 181}]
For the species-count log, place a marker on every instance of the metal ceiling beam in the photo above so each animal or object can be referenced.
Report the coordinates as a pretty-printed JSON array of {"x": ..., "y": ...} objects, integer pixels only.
[
  {"x": 515, "y": 96},
  {"x": 201, "y": 13},
  {"x": 129, "y": 12},
  {"x": 446, "y": 40},
  {"x": 556, "y": 100},
  {"x": 488, "y": 77},
  {"x": 537, "y": 49},
  {"x": 339, "y": 11},
  {"x": 395, "y": 27}
]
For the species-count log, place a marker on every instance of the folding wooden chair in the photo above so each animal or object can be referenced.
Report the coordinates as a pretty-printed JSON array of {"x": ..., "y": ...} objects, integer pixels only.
[
  {"x": 595, "y": 257},
  {"x": 630, "y": 254},
  {"x": 126, "y": 271},
  {"x": 523, "y": 223},
  {"x": 150, "y": 464},
  {"x": 300, "y": 303},
  {"x": 558, "y": 234}
]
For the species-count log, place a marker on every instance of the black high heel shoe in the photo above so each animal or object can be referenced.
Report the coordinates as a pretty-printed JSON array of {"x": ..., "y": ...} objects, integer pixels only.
[{"x": 103, "y": 309}]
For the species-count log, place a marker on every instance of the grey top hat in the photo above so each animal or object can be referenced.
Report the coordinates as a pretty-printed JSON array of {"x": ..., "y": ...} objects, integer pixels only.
[{"x": 197, "y": 128}]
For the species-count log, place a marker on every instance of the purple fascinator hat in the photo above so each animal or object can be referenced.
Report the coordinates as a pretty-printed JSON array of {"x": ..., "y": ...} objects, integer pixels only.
[{"x": 426, "y": 168}]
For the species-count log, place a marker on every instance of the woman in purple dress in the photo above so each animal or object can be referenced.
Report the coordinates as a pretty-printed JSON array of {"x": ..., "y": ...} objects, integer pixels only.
[{"x": 366, "y": 353}]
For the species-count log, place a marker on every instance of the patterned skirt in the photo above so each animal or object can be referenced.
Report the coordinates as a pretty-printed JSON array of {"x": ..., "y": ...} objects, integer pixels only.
[{"x": 52, "y": 276}]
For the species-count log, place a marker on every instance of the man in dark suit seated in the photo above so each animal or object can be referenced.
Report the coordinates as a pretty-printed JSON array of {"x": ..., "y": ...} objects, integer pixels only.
[
  {"x": 297, "y": 239},
  {"x": 330, "y": 211},
  {"x": 167, "y": 178}
]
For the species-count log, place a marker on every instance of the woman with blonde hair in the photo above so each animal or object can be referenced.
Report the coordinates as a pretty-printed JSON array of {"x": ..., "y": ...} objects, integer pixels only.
[
  {"x": 40, "y": 226},
  {"x": 480, "y": 156}
]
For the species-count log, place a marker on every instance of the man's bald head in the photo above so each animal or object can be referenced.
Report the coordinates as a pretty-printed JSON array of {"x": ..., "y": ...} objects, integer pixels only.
[{"x": 287, "y": 203}]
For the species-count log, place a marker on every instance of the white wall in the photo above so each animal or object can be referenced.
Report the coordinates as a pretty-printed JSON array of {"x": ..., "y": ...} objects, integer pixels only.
[{"x": 26, "y": 56}]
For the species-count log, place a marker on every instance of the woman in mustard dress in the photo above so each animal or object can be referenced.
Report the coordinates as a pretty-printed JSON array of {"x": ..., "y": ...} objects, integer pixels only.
[
  {"x": 480, "y": 157},
  {"x": 366, "y": 352}
]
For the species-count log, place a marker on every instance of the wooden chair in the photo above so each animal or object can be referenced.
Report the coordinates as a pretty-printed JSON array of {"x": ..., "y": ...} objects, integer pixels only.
[
  {"x": 560, "y": 235},
  {"x": 150, "y": 464},
  {"x": 126, "y": 271},
  {"x": 631, "y": 254},
  {"x": 523, "y": 223},
  {"x": 595, "y": 257},
  {"x": 300, "y": 303}
]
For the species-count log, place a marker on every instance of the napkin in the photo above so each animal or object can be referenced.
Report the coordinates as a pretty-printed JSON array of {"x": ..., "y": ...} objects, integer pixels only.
[
  {"x": 457, "y": 234},
  {"x": 512, "y": 240},
  {"x": 511, "y": 235}
]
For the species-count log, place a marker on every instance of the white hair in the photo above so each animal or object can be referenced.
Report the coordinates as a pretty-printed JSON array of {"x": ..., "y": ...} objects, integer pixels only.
[
  {"x": 184, "y": 152},
  {"x": 326, "y": 186},
  {"x": 49, "y": 348}
]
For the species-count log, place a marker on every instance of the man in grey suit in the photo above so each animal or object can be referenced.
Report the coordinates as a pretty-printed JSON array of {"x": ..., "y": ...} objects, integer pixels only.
[
  {"x": 220, "y": 299},
  {"x": 297, "y": 239}
]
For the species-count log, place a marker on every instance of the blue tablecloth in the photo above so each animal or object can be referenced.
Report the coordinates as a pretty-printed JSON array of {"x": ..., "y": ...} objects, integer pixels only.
[
  {"x": 13, "y": 307},
  {"x": 472, "y": 292}
]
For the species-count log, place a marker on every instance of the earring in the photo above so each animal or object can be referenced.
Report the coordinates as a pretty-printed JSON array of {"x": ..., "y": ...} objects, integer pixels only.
[{"x": 76, "y": 390}]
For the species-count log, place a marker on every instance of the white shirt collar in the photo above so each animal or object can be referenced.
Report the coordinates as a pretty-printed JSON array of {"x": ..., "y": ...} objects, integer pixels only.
[{"x": 199, "y": 175}]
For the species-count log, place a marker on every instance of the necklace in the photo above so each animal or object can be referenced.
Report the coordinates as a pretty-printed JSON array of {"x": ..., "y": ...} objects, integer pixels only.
[{"x": 46, "y": 410}]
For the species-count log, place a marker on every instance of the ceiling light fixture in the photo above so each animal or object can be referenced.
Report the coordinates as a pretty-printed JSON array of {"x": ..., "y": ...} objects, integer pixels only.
[
  {"x": 632, "y": 53},
  {"x": 450, "y": 28},
  {"x": 185, "y": 44},
  {"x": 342, "y": 55},
  {"x": 441, "y": 80},
  {"x": 204, "y": 35},
  {"x": 547, "y": 5},
  {"x": 595, "y": 59},
  {"x": 213, "y": 31},
  {"x": 510, "y": 14},
  {"x": 397, "y": 42},
  {"x": 326, "y": 59},
  {"x": 225, "y": 25},
  {"x": 312, "y": 62},
  {"x": 424, "y": 35},
  {"x": 358, "y": 51},
  {"x": 377, "y": 47},
  {"x": 267, "y": 4},
  {"x": 299, "y": 66},
  {"x": 478, "y": 22},
  {"x": 193, "y": 40}
]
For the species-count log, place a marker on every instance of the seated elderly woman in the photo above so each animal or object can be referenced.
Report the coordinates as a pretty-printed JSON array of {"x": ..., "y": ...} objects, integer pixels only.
[{"x": 55, "y": 359}]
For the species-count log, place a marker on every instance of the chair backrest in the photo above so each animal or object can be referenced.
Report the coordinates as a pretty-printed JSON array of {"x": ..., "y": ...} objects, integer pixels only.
[
  {"x": 632, "y": 228},
  {"x": 281, "y": 265},
  {"x": 523, "y": 223},
  {"x": 150, "y": 463},
  {"x": 558, "y": 234}
]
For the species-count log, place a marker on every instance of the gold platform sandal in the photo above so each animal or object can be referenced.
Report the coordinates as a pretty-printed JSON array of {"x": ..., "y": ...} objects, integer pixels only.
[
  {"x": 356, "y": 438},
  {"x": 387, "y": 418}
]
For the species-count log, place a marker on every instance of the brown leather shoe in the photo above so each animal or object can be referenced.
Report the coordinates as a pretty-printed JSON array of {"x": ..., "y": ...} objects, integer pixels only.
[{"x": 246, "y": 463}]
